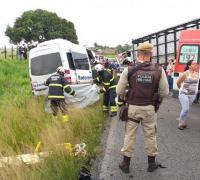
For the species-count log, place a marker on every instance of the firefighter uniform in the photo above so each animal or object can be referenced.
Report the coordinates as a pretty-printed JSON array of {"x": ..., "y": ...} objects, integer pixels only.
[
  {"x": 107, "y": 78},
  {"x": 143, "y": 84},
  {"x": 57, "y": 85}
]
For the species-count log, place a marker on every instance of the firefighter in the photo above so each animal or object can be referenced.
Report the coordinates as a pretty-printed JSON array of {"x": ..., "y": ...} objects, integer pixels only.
[
  {"x": 107, "y": 79},
  {"x": 57, "y": 85}
]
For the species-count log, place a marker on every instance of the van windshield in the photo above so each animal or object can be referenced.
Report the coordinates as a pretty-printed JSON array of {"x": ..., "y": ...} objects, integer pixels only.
[
  {"x": 80, "y": 61},
  {"x": 45, "y": 64}
]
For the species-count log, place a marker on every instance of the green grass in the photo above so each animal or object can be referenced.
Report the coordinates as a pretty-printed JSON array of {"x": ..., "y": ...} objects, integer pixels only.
[
  {"x": 111, "y": 56},
  {"x": 23, "y": 122}
]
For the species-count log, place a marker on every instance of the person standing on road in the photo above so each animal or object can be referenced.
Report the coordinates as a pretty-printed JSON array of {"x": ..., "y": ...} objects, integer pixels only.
[
  {"x": 107, "y": 78},
  {"x": 170, "y": 72},
  {"x": 145, "y": 80},
  {"x": 188, "y": 88},
  {"x": 196, "y": 101},
  {"x": 57, "y": 85}
]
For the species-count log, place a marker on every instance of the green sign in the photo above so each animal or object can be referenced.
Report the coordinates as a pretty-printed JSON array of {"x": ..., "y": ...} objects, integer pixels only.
[{"x": 189, "y": 52}]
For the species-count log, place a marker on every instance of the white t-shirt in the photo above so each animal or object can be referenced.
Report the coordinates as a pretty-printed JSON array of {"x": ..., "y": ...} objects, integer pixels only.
[{"x": 190, "y": 85}]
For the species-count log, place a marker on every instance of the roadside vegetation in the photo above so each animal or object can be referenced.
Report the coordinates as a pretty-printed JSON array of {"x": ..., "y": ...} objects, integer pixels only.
[{"x": 23, "y": 123}]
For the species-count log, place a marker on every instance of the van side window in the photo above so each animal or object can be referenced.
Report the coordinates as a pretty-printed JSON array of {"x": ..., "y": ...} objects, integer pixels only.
[
  {"x": 70, "y": 60},
  {"x": 81, "y": 61}
]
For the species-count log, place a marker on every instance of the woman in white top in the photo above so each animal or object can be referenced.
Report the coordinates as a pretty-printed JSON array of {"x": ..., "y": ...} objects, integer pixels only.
[{"x": 188, "y": 87}]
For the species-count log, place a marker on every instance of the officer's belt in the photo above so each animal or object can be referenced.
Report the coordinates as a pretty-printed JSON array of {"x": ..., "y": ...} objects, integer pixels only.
[{"x": 134, "y": 120}]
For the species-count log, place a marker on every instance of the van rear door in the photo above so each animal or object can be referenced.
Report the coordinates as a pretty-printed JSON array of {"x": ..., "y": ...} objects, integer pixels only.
[
  {"x": 82, "y": 66},
  {"x": 40, "y": 68}
]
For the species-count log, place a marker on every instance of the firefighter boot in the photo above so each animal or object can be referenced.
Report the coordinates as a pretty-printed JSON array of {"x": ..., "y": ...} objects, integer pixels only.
[
  {"x": 112, "y": 114},
  {"x": 124, "y": 165},
  {"x": 65, "y": 118},
  {"x": 152, "y": 165}
]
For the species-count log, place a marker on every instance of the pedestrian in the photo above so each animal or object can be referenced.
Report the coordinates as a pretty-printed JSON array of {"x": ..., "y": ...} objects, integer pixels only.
[
  {"x": 170, "y": 72},
  {"x": 57, "y": 85},
  {"x": 146, "y": 81},
  {"x": 188, "y": 88},
  {"x": 196, "y": 101},
  {"x": 107, "y": 79}
]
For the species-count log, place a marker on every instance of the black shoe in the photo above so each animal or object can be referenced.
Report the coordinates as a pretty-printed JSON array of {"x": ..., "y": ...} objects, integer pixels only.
[
  {"x": 153, "y": 165},
  {"x": 113, "y": 114},
  {"x": 124, "y": 165}
]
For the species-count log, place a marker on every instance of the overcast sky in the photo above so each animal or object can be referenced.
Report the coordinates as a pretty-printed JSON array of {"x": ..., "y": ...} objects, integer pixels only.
[{"x": 107, "y": 22}]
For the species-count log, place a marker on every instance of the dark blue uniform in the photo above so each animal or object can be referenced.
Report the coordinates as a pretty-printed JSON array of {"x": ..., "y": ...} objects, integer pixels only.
[
  {"x": 107, "y": 78},
  {"x": 57, "y": 85}
]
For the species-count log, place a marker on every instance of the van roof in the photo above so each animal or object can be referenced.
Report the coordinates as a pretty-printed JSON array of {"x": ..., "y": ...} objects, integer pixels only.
[
  {"x": 190, "y": 36},
  {"x": 55, "y": 41},
  {"x": 50, "y": 45},
  {"x": 56, "y": 45}
]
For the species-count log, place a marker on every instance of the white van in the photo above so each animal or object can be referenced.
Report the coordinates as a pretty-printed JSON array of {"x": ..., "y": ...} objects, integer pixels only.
[{"x": 47, "y": 56}]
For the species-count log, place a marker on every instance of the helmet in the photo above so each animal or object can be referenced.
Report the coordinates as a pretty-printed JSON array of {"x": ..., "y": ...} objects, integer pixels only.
[
  {"x": 98, "y": 67},
  {"x": 60, "y": 70}
]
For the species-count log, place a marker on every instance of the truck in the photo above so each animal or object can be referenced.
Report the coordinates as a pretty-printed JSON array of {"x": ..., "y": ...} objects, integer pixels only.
[
  {"x": 179, "y": 42},
  {"x": 188, "y": 49}
]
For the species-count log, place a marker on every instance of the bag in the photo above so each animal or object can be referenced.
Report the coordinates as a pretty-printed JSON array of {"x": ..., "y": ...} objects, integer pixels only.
[{"x": 123, "y": 113}]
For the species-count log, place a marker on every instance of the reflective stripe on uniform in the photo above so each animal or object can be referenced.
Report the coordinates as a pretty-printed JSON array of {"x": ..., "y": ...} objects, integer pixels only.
[
  {"x": 58, "y": 97},
  {"x": 109, "y": 70},
  {"x": 112, "y": 78},
  {"x": 112, "y": 86},
  {"x": 120, "y": 103},
  {"x": 106, "y": 84},
  {"x": 105, "y": 108},
  {"x": 59, "y": 85},
  {"x": 113, "y": 108},
  {"x": 66, "y": 86},
  {"x": 71, "y": 92}
]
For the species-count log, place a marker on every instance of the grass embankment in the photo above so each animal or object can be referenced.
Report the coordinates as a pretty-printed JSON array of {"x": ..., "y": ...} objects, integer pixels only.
[{"x": 23, "y": 123}]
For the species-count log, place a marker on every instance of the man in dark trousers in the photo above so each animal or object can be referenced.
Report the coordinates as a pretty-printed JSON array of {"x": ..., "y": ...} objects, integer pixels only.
[
  {"x": 107, "y": 79},
  {"x": 147, "y": 81},
  {"x": 57, "y": 85}
]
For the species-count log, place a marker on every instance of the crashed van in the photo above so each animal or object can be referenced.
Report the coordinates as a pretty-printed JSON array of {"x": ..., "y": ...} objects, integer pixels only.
[{"x": 48, "y": 55}]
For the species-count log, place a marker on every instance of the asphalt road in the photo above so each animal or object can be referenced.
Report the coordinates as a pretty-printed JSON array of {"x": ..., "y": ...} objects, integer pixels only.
[{"x": 179, "y": 150}]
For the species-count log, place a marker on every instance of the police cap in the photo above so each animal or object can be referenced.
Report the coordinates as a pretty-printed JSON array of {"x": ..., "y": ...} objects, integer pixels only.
[{"x": 146, "y": 46}]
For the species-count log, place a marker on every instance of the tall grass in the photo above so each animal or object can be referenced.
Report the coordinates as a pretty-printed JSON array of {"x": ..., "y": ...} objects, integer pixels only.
[{"x": 23, "y": 122}]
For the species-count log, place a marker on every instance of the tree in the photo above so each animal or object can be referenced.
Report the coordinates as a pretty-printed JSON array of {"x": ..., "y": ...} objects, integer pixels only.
[
  {"x": 40, "y": 25},
  {"x": 119, "y": 49}
]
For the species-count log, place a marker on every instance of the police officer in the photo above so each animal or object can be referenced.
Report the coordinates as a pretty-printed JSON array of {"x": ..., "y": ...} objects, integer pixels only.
[
  {"x": 57, "y": 85},
  {"x": 107, "y": 78},
  {"x": 145, "y": 79}
]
